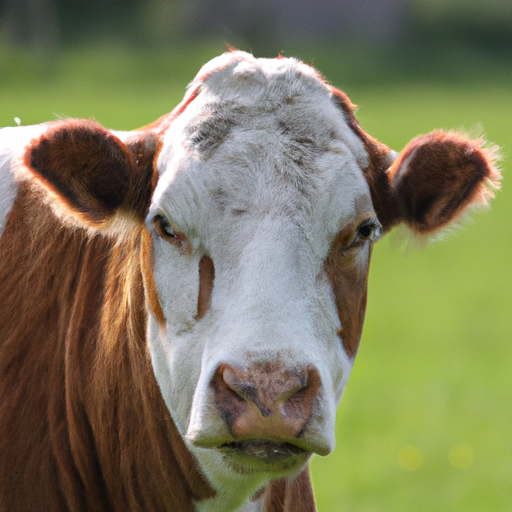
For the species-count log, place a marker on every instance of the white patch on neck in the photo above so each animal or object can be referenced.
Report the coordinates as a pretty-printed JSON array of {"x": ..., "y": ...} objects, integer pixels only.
[
  {"x": 13, "y": 141},
  {"x": 8, "y": 191},
  {"x": 233, "y": 494}
]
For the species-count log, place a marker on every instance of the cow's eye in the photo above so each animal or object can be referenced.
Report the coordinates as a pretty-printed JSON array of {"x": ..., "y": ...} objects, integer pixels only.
[
  {"x": 369, "y": 229},
  {"x": 164, "y": 228}
]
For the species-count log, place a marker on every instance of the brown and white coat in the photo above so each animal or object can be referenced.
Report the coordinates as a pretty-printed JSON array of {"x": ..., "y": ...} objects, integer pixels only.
[{"x": 181, "y": 305}]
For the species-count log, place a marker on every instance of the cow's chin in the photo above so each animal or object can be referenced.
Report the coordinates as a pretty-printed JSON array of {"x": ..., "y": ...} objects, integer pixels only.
[{"x": 262, "y": 456}]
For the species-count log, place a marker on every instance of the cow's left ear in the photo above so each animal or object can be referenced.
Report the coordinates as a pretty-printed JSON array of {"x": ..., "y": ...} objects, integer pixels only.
[
  {"x": 436, "y": 178},
  {"x": 90, "y": 173},
  {"x": 290, "y": 494}
]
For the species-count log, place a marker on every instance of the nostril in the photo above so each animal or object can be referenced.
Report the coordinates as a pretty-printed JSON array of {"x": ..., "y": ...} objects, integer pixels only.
[
  {"x": 229, "y": 402},
  {"x": 231, "y": 378},
  {"x": 235, "y": 383},
  {"x": 265, "y": 400},
  {"x": 300, "y": 403}
]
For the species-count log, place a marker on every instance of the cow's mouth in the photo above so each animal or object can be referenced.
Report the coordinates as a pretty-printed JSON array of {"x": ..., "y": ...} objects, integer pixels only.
[{"x": 263, "y": 450}]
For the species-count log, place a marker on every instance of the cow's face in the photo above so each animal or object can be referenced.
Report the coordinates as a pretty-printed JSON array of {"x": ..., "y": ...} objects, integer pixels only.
[
  {"x": 262, "y": 225},
  {"x": 257, "y": 202}
]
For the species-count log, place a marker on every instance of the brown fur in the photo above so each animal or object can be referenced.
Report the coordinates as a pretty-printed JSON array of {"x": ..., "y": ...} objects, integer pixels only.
[
  {"x": 91, "y": 188},
  {"x": 432, "y": 182},
  {"x": 92, "y": 172},
  {"x": 147, "y": 264},
  {"x": 375, "y": 172},
  {"x": 436, "y": 178},
  {"x": 290, "y": 494},
  {"x": 144, "y": 149},
  {"x": 206, "y": 280},
  {"x": 83, "y": 425},
  {"x": 349, "y": 281}
]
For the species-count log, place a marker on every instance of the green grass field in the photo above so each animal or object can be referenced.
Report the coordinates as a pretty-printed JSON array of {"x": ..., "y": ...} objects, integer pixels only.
[{"x": 426, "y": 421}]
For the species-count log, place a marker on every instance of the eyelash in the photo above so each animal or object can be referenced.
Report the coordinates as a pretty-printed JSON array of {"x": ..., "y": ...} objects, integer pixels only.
[
  {"x": 369, "y": 229},
  {"x": 163, "y": 228},
  {"x": 375, "y": 228},
  {"x": 166, "y": 232}
]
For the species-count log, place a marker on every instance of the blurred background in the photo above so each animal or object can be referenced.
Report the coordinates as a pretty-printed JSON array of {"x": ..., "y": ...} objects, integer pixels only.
[{"x": 426, "y": 420}]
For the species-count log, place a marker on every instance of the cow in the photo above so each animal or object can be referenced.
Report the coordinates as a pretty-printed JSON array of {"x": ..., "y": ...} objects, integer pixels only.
[{"x": 181, "y": 305}]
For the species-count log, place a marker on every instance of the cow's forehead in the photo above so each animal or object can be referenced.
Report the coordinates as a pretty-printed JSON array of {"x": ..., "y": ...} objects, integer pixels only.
[
  {"x": 233, "y": 75},
  {"x": 263, "y": 135}
]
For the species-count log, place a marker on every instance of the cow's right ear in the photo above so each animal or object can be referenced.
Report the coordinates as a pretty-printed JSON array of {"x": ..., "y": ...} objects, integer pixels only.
[
  {"x": 92, "y": 173},
  {"x": 438, "y": 176},
  {"x": 434, "y": 180}
]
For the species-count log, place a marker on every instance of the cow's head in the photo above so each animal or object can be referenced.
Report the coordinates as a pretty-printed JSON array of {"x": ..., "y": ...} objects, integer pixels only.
[{"x": 257, "y": 201}]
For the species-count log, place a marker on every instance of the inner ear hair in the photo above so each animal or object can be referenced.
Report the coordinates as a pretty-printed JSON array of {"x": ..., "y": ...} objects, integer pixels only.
[{"x": 91, "y": 173}]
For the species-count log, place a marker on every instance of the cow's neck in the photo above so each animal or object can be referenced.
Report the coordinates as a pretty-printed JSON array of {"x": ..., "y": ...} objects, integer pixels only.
[{"x": 97, "y": 433}]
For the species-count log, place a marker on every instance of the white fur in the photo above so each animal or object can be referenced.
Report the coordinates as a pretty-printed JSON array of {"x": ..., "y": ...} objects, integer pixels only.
[
  {"x": 263, "y": 191},
  {"x": 13, "y": 141},
  {"x": 267, "y": 222}
]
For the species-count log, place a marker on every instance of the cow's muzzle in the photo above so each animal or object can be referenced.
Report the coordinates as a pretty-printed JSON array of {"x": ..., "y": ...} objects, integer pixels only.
[
  {"x": 265, "y": 410},
  {"x": 265, "y": 402}
]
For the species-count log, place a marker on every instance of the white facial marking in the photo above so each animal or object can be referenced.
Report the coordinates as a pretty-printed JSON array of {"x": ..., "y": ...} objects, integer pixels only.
[{"x": 260, "y": 172}]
